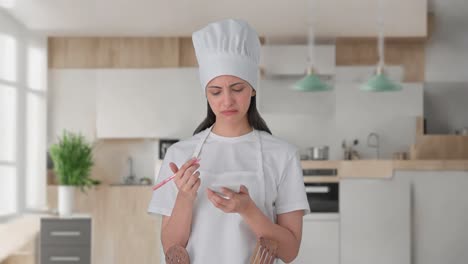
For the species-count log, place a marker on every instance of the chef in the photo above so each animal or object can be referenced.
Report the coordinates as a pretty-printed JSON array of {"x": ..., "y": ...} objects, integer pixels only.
[{"x": 235, "y": 182}]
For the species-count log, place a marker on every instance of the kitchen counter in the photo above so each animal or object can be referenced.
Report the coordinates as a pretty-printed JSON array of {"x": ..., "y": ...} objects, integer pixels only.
[
  {"x": 123, "y": 232},
  {"x": 378, "y": 168}
]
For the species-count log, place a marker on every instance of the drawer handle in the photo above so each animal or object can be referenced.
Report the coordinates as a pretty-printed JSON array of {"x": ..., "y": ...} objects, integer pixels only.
[
  {"x": 317, "y": 189},
  {"x": 71, "y": 259},
  {"x": 65, "y": 233}
]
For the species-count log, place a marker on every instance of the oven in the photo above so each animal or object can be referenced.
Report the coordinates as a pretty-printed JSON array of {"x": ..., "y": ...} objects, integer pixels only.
[{"x": 323, "y": 197}]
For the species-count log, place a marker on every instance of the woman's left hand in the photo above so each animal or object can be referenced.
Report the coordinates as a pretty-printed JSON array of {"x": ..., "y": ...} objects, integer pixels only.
[{"x": 236, "y": 202}]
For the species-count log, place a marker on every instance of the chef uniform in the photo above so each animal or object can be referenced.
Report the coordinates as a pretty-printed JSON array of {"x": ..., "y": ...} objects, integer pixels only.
[{"x": 269, "y": 167}]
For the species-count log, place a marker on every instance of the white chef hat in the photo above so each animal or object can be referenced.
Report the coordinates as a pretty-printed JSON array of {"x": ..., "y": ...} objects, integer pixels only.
[{"x": 227, "y": 47}]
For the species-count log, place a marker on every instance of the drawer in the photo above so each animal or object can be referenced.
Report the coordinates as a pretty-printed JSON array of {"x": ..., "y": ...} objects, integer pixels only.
[
  {"x": 65, "y": 255},
  {"x": 65, "y": 232}
]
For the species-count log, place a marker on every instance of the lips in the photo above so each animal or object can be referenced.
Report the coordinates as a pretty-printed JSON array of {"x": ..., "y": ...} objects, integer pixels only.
[{"x": 229, "y": 112}]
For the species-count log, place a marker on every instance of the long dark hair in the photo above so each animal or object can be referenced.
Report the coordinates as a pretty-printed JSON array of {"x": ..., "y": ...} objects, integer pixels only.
[{"x": 253, "y": 116}]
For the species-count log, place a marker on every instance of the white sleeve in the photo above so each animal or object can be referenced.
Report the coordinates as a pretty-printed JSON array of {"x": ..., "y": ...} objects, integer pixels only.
[
  {"x": 163, "y": 199},
  {"x": 291, "y": 190}
]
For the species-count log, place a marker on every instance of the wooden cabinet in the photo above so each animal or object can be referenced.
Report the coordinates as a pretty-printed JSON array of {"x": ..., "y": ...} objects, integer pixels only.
[
  {"x": 113, "y": 52},
  {"x": 151, "y": 103}
]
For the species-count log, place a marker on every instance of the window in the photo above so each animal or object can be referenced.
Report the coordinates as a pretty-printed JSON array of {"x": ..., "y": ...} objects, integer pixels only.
[
  {"x": 23, "y": 98},
  {"x": 8, "y": 126}
]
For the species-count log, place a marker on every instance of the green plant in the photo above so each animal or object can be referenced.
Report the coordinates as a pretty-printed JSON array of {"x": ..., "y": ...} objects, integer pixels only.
[{"x": 73, "y": 159}]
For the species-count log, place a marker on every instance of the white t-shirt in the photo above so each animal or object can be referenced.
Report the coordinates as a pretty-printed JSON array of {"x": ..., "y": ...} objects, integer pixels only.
[{"x": 284, "y": 184}]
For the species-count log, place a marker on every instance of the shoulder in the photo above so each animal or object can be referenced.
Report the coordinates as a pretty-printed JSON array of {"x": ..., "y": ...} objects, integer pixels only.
[{"x": 279, "y": 147}]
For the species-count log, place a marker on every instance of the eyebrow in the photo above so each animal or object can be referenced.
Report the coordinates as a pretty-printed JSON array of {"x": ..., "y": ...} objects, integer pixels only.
[{"x": 232, "y": 85}]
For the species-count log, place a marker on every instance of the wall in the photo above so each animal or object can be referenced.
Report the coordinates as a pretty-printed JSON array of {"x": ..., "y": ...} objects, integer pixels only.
[
  {"x": 446, "y": 50},
  {"x": 72, "y": 106},
  {"x": 446, "y": 68},
  {"x": 315, "y": 119},
  {"x": 303, "y": 119},
  {"x": 445, "y": 107}
]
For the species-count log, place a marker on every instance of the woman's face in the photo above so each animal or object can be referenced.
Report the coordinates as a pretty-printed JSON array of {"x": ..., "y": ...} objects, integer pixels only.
[{"x": 229, "y": 97}]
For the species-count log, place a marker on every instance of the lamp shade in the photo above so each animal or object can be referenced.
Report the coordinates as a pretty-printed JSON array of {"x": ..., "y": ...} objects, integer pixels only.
[
  {"x": 311, "y": 83},
  {"x": 380, "y": 83}
]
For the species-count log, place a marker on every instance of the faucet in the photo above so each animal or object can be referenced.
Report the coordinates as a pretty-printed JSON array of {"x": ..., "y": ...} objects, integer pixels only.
[
  {"x": 375, "y": 137},
  {"x": 130, "y": 179}
]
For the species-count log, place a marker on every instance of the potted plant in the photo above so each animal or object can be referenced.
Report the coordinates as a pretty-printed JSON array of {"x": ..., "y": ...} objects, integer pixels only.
[{"x": 73, "y": 160}]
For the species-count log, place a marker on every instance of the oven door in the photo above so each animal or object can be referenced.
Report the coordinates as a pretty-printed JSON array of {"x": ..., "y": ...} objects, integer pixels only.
[{"x": 323, "y": 197}]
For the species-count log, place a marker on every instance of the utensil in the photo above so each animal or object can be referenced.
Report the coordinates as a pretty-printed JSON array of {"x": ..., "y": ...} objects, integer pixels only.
[
  {"x": 349, "y": 152},
  {"x": 400, "y": 156},
  {"x": 318, "y": 153},
  {"x": 265, "y": 251}
]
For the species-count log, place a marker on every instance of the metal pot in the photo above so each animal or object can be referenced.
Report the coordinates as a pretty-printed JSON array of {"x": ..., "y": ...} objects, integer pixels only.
[{"x": 318, "y": 153}]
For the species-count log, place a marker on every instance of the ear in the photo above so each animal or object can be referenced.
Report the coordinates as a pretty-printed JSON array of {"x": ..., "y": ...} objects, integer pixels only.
[{"x": 254, "y": 92}]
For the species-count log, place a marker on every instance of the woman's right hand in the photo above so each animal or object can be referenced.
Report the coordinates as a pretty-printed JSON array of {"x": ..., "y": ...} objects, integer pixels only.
[{"x": 186, "y": 179}]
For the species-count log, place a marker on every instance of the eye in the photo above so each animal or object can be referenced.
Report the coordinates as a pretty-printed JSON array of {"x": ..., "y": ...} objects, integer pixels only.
[
  {"x": 215, "y": 93},
  {"x": 238, "y": 90}
]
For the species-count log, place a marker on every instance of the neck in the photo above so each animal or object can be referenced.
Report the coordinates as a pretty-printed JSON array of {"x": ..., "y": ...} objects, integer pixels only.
[{"x": 231, "y": 129}]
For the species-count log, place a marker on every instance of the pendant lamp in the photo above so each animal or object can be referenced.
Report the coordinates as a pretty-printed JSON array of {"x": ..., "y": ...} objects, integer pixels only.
[
  {"x": 311, "y": 82},
  {"x": 380, "y": 82}
]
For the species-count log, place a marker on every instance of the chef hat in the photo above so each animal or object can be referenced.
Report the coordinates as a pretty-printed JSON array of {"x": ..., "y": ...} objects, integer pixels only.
[{"x": 227, "y": 47}]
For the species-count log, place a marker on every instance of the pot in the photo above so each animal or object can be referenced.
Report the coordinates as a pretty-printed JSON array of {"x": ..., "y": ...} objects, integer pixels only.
[
  {"x": 65, "y": 200},
  {"x": 318, "y": 153}
]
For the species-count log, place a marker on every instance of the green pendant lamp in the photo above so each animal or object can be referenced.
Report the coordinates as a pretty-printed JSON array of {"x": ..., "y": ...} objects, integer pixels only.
[
  {"x": 380, "y": 82},
  {"x": 311, "y": 82}
]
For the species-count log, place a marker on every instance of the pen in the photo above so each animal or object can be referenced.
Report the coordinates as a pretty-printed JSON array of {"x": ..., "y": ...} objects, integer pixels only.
[
  {"x": 163, "y": 182},
  {"x": 157, "y": 186}
]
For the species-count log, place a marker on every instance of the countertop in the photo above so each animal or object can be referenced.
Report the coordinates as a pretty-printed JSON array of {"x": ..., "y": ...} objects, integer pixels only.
[{"x": 378, "y": 168}]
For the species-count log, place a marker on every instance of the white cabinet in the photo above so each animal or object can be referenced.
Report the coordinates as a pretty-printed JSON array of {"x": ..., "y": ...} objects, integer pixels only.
[
  {"x": 320, "y": 240},
  {"x": 375, "y": 221},
  {"x": 149, "y": 103},
  {"x": 72, "y": 102}
]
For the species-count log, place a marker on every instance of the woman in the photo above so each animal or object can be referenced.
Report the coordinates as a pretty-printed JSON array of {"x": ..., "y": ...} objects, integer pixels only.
[{"x": 263, "y": 194}]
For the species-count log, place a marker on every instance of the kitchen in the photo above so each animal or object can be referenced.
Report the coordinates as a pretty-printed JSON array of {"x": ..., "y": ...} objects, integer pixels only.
[{"x": 399, "y": 200}]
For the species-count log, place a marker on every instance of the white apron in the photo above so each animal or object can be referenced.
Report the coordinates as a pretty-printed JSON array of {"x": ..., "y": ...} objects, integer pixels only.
[{"x": 219, "y": 237}]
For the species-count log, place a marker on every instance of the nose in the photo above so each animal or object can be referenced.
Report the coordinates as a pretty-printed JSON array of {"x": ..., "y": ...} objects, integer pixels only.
[{"x": 228, "y": 98}]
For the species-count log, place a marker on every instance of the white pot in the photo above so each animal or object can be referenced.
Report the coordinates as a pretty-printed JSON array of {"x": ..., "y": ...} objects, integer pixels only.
[{"x": 66, "y": 196}]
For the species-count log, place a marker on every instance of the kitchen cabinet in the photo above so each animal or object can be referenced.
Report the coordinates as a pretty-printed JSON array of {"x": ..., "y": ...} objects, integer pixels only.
[
  {"x": 375, "y": 220},
  {"x": 123, "y": 232},
  {"x": 148, "y": 103},
  {"x": 320, "y": 239},
  {"x": 65, "y": 240},
  {"x": 439, "y": 215},
  {"x": 72, "y": 102}
]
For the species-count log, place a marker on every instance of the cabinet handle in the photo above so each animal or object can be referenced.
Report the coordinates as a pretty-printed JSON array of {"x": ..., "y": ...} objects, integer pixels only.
[
  {"x": 317, "y": 189},
  {"x": 60, "y": 258},
  {"x": 65, "y": 233}
]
